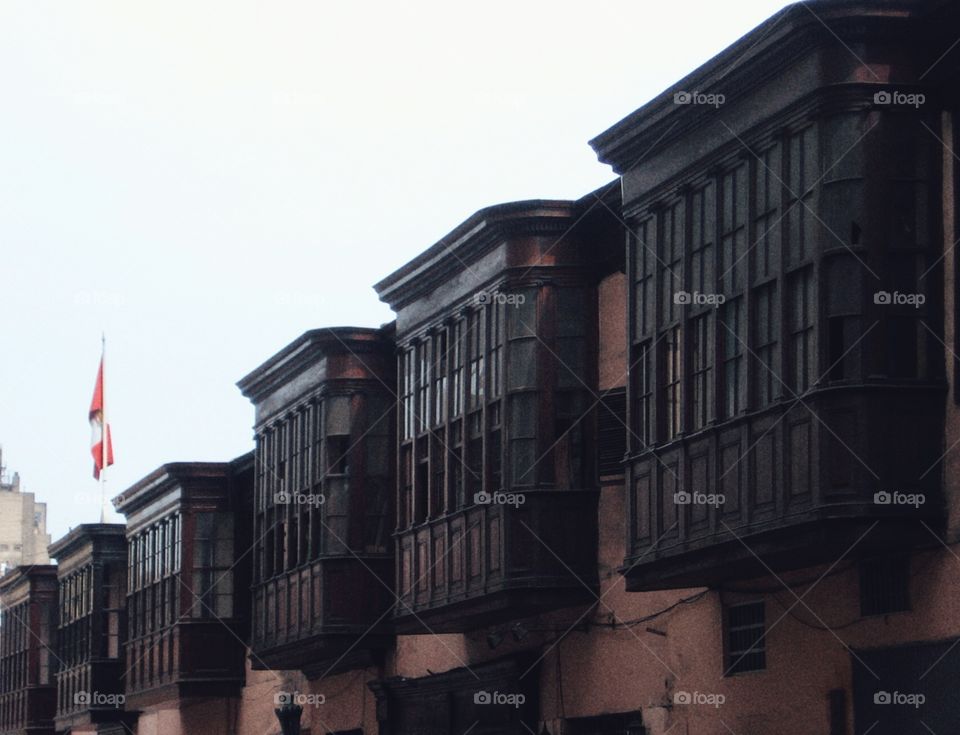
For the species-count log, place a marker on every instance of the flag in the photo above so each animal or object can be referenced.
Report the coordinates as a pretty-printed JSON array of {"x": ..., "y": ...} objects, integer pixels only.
[{"x": 98, "y": 429}]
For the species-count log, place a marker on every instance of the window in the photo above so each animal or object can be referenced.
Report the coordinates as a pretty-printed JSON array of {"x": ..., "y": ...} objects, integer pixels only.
[
  {"x": 702, "y": 370},
  {"x": 456, "y": 397},
  {"x": 422, "y": 418},
  {"x": 522, "y": 398},
  {"x": 213, "y": 566},
  {"x": 439, "y": 377},
  {"x": 641, "y": 374},
  {"x": 732, "y": 341},
  {"x": 703, "y": 226},
  {"x": 672, "y": 378},
  {"x": 766, "y": 328},
  {"x": 406, "y": 398},
  {"x": 746, "y": 644},
  {"x": 767, "y": 220},
  {"x": 644, "y": 260},
  {"x": 337, "y": 435},
  {"x": 801, "y": 331},
  {"x": 884, "y": 586},
  {"x": 733, "y": 230},
  {"x": 802, "y": 176},
  {"x": 671, "y": 263},
  {"x": 476, "y": 346}
]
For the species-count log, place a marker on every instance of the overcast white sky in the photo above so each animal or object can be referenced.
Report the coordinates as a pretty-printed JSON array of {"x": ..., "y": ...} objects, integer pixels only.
[{"x": 204, "y": 181}]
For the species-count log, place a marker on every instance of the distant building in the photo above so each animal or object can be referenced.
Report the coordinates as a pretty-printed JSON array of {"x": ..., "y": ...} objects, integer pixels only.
[{"x": 23, "y": 524}]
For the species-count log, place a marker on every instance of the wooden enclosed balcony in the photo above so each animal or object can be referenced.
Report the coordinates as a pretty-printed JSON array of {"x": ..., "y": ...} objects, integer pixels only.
[
  {"x": 853, "y": 472},
  {"x": 498, "y": 561},
  {"x": 323, "y": 558}
]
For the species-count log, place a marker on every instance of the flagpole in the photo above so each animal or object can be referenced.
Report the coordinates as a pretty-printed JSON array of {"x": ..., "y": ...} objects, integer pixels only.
[{"x": 105, "y": 436}]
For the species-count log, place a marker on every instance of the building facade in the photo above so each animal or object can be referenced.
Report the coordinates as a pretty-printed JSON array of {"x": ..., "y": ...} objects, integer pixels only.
[
  {"x": 23, "y": 524},
  {"x": 676, "y": 457}
]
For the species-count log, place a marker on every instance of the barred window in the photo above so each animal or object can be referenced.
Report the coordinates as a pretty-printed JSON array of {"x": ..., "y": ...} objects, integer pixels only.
[{"x": 746, "y": 642}]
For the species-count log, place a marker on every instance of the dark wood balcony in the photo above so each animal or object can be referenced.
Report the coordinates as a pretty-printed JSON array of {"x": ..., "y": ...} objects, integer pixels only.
[
  {"x": 850, "y": 471},
  {"x": 28, "y": 710},
  {"x": 92, "y": 575},
  {"x": 326, "y": 617},
  {"x": 28, "y": 612},
  {"x": 498, "y": 561},
  {"x": 187, "y": 613},
  {"x": 323, "y": 561}
]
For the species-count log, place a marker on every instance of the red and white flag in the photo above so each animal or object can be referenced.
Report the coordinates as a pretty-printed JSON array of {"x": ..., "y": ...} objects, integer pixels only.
[{"x": 102, "y": 453}]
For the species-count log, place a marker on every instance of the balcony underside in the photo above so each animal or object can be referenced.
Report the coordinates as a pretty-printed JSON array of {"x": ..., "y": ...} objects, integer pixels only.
[
  {"x": 105, "y": 719},
  {"x": 325, "y": 654},
  {"x": 183, "y": 689},
  {"x": 824, "y": 537},
  {"x": 495, "y": 607}
]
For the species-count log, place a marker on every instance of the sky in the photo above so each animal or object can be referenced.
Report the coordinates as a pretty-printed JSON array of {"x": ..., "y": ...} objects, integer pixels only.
[{"x": 204, "y": 181}]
